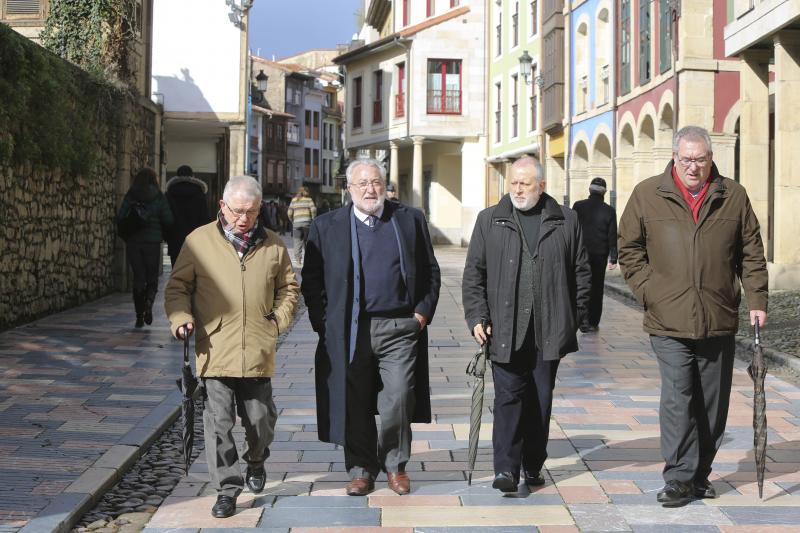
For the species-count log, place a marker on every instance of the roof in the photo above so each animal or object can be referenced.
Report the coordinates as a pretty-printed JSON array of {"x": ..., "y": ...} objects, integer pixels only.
[{"x": 405, "y": 32}]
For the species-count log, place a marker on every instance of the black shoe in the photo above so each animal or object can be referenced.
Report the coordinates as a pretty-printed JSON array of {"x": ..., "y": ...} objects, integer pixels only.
[
  {"x": 139, "y": 321},
  {"x": 505, "y": 482},
  {"x": 148, "y": 313},
  {"x": 674, "y": 494},
  {"x": 704, "y": 489},
  {"x": 534, "y": 478},
  {"x": 225, "y": 507},
  {"x": 585, "y": 328},
  {"x": 256, "y": 479}
]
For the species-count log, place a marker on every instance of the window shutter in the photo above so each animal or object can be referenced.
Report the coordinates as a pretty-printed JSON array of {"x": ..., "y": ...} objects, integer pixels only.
[{"x": 23, "y": 7}]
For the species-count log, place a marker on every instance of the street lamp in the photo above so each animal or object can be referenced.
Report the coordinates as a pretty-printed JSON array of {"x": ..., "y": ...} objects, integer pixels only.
[
  {"x": 525, "y": 63},
  {"x": 258, "y": 89}
]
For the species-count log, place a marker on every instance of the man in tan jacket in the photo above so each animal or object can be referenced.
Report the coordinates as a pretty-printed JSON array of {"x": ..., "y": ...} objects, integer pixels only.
[
  {"x": 233, "y": 283},
  {"x": 687, "y": 238}
]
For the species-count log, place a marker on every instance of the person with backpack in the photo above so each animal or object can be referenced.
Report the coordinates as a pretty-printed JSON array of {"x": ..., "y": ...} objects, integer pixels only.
[
  {"x": 187, "y": 200},
  {"x": 142, "y": 221}
]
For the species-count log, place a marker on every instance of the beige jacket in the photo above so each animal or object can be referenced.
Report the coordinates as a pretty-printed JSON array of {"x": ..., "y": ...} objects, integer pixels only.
[{"x": 230, "y": 301}]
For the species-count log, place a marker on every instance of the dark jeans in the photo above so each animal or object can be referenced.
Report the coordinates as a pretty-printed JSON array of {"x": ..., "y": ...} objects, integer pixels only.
[
  {"x": 598, "y": 265},
  {"x": 695, "y": 392},
  {"x": 383, "y": 365},
  {"x": 144, "y": 258},
  {"x": 523, "y": 400},
  {"x": 252, "y": 399}
]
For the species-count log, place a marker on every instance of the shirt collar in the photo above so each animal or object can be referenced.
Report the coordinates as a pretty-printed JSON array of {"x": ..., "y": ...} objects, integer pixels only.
[{"x": 362, "y": 216}]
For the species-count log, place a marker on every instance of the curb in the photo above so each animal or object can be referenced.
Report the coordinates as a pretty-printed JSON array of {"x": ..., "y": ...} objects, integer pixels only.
[
  {"x": 744, "y": 344},
  {"x": 66, "y": 509}
]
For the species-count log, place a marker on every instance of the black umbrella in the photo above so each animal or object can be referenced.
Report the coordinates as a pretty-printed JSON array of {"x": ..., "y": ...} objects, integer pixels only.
[
  {"x": 477, "y": 369},
  {"x": 758, "y": 371},
  {"x": 187, "y": 384}
]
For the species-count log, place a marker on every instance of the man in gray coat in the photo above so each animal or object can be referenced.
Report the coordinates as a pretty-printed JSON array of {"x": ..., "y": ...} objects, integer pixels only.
[{"x": 527, "y": 274}]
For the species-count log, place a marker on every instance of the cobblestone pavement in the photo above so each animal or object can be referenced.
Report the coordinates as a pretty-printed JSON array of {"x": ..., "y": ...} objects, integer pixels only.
[{"x": 82, "y": 390}]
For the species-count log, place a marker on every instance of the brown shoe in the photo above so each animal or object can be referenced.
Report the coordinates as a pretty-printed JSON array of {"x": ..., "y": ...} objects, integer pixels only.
[
  {"x": 399, "y": 482},
  {"x": 360, "y": 486}
]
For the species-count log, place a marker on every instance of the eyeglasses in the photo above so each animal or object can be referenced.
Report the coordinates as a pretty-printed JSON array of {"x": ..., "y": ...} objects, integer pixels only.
[
  {"x": 239, "y": 213},
  {"x": 700, "y": 161},
  {"x": 363, "y": 185}
]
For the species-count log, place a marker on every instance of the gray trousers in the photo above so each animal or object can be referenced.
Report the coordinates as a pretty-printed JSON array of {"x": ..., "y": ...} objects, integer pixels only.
[
  {"x": 386, "y": 355},
  {"x": 696, "y": 380},
  {"x": 252, "y": 399}
]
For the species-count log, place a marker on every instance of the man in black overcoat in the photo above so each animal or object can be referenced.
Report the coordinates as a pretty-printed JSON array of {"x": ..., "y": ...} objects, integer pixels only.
[{"x": 371, "y": 285}]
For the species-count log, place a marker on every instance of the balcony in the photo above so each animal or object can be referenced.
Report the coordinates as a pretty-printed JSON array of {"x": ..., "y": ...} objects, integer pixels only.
[
  {"x": 444, "y": 102},
  {"x": 400, "y": 105}
]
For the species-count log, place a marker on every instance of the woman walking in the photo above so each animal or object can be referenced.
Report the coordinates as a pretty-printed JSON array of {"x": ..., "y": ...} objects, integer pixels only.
[
  {"x": 142, "y": 221},
  {"x": 301, "y": 212}
]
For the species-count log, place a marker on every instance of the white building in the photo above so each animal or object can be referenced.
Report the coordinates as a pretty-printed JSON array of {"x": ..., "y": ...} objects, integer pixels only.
[
  {"x": 200, "y": 76},
  {"x": 416, "y": 87}
]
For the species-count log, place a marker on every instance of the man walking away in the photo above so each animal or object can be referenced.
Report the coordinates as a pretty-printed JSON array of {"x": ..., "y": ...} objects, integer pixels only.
[
  {"x": 233, "y": 284},
  {"x": 526, "y": 273},
  {"x": 687, "y": 238},
  {"x": 599, "y": 224}
]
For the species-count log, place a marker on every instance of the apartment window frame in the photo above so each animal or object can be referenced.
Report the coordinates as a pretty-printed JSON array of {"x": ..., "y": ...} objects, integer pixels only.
[
  {"x": 645, "y": 42},
  {"x": 534, "y": 18},
  {"x": 625, "y": 47},
  {"x": 430, "y": 7},
  {"x": 664, "y": 37},
  {"x": 406, "y": 12},
  {"x": 36, "y": 10},
  {"x": 377, "y": 97},
  {"x": 316, "y": 117},
  {"x": 533, "y": 102},
  {"x": 498, "y": 112},
  {"x": 514, "y": 106},
  {"x": 446, "y": 104},
  {"x": 400, "y": 96},
  {"x": 515, "y": 26},
  {"x": 356, "y": 104}
]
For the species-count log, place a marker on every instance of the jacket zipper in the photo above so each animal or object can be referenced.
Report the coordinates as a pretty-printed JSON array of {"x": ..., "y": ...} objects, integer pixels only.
[{"x": 244, "y": 317}]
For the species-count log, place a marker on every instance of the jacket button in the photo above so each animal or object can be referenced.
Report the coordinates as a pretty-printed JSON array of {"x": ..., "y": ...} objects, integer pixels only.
[
  {"x": 506, "y": 302},
  {"x": 502, "y": 345},
  {"x": 527, "y": 310}
]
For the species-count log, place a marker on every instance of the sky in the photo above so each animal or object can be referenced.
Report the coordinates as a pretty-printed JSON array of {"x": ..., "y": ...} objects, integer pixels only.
[{"x": 286, "y": 27}]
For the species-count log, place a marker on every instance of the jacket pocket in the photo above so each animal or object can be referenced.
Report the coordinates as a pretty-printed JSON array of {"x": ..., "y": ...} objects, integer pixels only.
[{"x": 208, "y": 328}]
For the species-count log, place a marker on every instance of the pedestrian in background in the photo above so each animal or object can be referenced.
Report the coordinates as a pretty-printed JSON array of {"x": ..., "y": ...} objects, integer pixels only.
[
  {"x": 187, "y": 200},
  {"x": 527, "y": 275},
  {"x": 599, "y": 224},
  {"x": 391, "y": 193},
  {"x": 301, "y": 212},
  {"x": 371, "y": 284},
  {"x": 687, "y": 238},
  {"x": 143, "y": 243},
  {"x": 234, "y": 284}
]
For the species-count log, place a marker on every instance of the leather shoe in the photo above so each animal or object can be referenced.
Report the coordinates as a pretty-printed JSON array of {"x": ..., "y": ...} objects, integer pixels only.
[
  {"x": 225, "y": 507},
  {"x": 505, "y": 482},
  {"x": 534, "y": 478},
  {"x": 399, "y": 482},
  {"x": 704, "y": 489},
  {"x": 360, "y": 486},
  {"x": 674, "y": 494},
  {"x": 256, "y": 479}
]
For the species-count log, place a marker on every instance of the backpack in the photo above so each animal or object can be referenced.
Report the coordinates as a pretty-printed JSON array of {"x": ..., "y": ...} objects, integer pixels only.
[{"x": 134, "y": 220}]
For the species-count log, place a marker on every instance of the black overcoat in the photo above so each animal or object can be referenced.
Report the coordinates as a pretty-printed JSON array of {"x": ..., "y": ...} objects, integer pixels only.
[
  {"x": 328, "y": 287},
  {"x": 491, "y": 274}
]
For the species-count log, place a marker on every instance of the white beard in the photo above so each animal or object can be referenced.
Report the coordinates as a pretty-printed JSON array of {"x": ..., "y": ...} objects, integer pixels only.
[
  {"x": 526, "y": 204},
  {"x": 371, "y": 210}
]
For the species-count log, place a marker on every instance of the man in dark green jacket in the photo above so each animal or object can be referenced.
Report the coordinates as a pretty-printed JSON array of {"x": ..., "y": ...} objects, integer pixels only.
[
  {"x": 527, "y": 273},
  {"x": 687, "y": 238}
]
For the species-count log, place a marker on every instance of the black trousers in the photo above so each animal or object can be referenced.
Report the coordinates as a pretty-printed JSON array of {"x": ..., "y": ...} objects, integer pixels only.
[
  {"x": 382, "y": 369},
  {"x": 598, "y": 265},
  {"x": 696, "y": 380},
  {"x": 523, "y": 400},
  {"x": 144, "y": 257}
]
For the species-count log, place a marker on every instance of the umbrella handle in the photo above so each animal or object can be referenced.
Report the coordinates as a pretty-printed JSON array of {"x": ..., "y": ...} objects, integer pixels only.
[
  {"x": 186, "y": 350},
  {"x": 757, "y": 327}
]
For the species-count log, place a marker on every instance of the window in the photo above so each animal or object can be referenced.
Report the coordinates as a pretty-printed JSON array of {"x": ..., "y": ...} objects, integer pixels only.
[
  {"x": 534, "y": 17},
  {"x": 602, "y": 39},
  {"x": 664, "y": 33},
  {"x": 583, "y": 94},
  {"x": 453, "y": 3},
  {"x": 533, "y": 102},
  {"x": 444, "y": 86},
  {"x": 429, "y": 7},
  {"x": 307, "y": 157},
  {"x": 498, "y": 112},
  {"x": 406, "y": 12},
  {"x": 316, "y": 163},
  {"x": 316, "y": 125},
  {"x": 357, "y": 102},
  {"x": 514, "y": 106},
  {"x": 515, "y": 26},
  {"x": 499, "y": 34},
  {"x": 308, "y": 124},
  {"x": 400, "y": 97},
  {"x": 293, "y": 132},
  {"x": 377, "y": 102},
  {"x": 644, "y": 42},
  {"x": 22, "y": 9},
  {"x": 625, "y": 47}
]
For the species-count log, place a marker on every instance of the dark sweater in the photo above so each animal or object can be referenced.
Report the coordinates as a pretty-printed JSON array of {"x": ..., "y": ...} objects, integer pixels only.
[{"x": 383, "y": 291}]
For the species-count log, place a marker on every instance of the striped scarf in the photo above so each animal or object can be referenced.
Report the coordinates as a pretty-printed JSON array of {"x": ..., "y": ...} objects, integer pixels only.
[{"x": 242, "y": 242}]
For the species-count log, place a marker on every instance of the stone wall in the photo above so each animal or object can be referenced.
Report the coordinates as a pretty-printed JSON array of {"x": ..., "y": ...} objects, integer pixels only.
[{"x": 68, "y": 144}]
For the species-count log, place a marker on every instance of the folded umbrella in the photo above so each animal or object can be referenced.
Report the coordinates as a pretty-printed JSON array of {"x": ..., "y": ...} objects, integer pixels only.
[
  {"x": 187, "y": 385},
  {"x": 476, "y": 368},
  {"x": 758, "y": 371}
]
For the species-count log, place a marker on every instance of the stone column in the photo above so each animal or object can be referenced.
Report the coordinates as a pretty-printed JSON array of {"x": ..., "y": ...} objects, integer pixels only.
[
  {"x": 625, "y": 182},
  {"x": 787, "y": 159},
  {"x": 661, "y": 156},
  {"x": 393, "y": 163},
  {"x": 236, "y": 153},
  {"x": 725, "y": 154},
  {"x": 416, "y": 176},
  {"x": 754, "y": 134}
]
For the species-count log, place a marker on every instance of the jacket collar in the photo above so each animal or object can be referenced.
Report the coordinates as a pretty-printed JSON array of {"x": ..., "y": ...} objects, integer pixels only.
[
  {"x": 666, "y": 185},
  {"x": 188, "y": 179},
  {"x": 550, "y": 211}
]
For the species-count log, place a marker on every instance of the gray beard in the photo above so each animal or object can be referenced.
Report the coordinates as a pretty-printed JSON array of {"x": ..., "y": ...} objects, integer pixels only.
[
  {"x": 377, "y": 206},
  {"x": 526, "y": 205}
]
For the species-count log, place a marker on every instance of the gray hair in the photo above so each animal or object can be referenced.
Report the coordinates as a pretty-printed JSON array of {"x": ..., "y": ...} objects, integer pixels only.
[
  {"x": 692, "y": 133},
  {"x": 244, "y": 186},
  {"x": 529, "y": 160},
  {"x": 365, "y": 161}
]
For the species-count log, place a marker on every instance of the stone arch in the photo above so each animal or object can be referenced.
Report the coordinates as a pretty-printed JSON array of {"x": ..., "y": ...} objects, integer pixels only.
[
  {"x": 626, "y": 137},
  {"x": 730, "y": 126},
  {"x": 601, "y": 150},
  {"x": 579, "y": 170}
]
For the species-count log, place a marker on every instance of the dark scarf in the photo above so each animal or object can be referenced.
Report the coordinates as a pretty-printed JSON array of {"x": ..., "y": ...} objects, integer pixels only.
[{"x": 242, "y": 242}]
